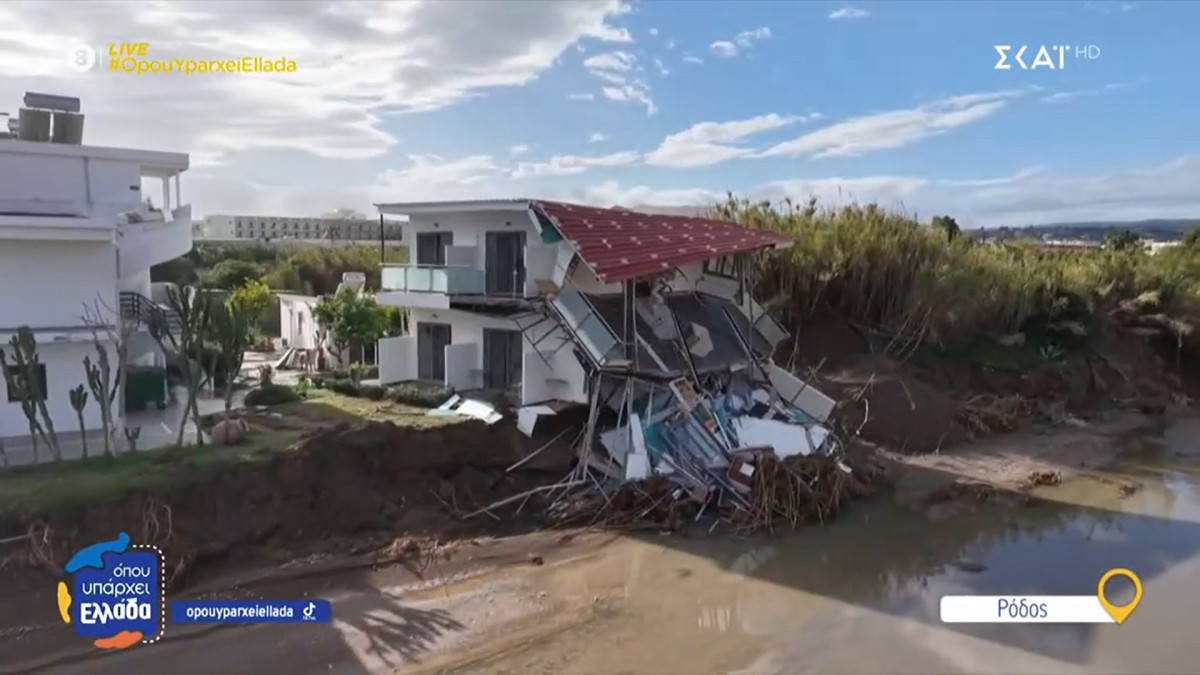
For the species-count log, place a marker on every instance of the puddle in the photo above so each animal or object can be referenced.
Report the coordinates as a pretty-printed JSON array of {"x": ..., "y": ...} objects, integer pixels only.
[{"x": 862, "y": 596}]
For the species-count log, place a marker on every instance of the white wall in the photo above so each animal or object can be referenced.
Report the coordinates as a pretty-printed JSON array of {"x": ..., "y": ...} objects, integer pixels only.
[
  {"x": 45, "y": 284},
  {"x": 563, "y": 380},
  {"x": 64, "y": 371},
  {"x": 137, "y": 283},
  {"x": 296, "y": 324},
  {"x": 61, "y": 185}
]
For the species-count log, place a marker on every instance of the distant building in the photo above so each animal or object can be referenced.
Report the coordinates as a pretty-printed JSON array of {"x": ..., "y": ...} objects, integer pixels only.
[{"x": 276, "y": 228}]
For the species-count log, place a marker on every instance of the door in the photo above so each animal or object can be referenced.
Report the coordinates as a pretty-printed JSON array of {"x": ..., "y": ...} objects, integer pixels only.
[
  {"x": 432, "y": 339},
  {"x": 501, "y": 358},
  {"x": 431, "y": 247},
  {"x": 505, "y": 263}
]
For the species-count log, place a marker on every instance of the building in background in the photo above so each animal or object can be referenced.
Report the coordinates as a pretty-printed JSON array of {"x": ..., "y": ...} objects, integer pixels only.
[{"x": 335, "y": 227}]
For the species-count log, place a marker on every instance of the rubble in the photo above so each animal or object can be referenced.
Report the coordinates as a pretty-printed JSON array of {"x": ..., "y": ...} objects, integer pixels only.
[{"x": 734, "y": 450}]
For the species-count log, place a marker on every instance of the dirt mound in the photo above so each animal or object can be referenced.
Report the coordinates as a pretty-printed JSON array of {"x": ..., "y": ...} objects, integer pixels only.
[{"x": 337, "y": 482}]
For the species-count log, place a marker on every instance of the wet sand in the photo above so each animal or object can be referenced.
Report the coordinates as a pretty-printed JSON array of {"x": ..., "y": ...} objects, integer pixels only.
[{"x": 857, "y": 596}]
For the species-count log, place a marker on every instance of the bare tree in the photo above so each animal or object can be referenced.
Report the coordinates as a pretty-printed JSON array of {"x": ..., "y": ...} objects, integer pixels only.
[
  {"x": 24, "y": 379},
  {"x": 106, "y": 382},
  {"x": 187, "y": 341}
]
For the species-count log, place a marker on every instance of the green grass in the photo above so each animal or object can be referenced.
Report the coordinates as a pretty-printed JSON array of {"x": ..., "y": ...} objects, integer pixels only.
[
  {"x": 44, "y": 487},
  {"x": 339, "y": 406}
]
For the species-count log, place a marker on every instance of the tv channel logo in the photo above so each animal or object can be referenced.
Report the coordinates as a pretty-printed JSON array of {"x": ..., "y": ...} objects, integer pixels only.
[{"x": 114, "y": 594}]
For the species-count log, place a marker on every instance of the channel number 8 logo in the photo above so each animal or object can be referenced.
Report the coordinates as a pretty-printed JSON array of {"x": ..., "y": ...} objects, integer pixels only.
[{"x": 81, "y": 58}]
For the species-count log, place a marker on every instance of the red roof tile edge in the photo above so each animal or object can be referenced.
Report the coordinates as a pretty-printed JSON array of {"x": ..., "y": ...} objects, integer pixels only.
[{"x": 618, "y": 244}]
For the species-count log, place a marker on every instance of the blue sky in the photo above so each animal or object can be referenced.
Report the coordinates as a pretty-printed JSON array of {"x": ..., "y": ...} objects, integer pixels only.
[{"x": 661, "y": 102}]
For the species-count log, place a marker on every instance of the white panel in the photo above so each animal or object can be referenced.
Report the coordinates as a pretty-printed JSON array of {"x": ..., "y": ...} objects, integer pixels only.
[
  {"x": 535, "y": 376},
  {"x": 462, "y": 366},
  {"x": 397, "y": 359},
  {"x": 539, "y": 264},
  {"x": 718, "y": 286},
  {"x": 800, "y": 394},
  {"x": 564, "y": 254}
]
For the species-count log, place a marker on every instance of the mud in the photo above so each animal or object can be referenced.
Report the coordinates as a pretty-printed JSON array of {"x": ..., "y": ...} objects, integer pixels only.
[{"x": 343, "y": 489}]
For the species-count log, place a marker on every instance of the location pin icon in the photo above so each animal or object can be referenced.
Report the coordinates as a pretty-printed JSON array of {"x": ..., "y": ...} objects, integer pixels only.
[{"x": 1120, "y": 612}]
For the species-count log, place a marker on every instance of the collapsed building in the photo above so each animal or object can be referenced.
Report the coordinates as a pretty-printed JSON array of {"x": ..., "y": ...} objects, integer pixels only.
[{"x": 647, "y": 320}]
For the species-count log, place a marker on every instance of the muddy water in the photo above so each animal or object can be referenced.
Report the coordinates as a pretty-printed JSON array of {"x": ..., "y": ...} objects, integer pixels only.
[
  {"x": 862, "y": 596},
  {"x": 858, "y": 596}
]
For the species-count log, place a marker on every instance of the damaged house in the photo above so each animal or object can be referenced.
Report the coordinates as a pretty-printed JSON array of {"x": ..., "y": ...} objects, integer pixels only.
[{"x": 646, "y": 319}]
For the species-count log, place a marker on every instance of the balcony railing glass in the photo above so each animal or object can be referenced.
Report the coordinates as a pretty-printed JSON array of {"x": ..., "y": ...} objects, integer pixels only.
[
  {"x": 583, "y": 320},
  {"x": 433, "y": 279}
]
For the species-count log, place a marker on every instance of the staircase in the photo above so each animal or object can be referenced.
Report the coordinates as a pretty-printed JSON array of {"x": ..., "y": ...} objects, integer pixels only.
[{"x": 139, "y": 308}]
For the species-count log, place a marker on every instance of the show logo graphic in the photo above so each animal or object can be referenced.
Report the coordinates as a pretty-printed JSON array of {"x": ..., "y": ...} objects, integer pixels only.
[{"x": 114, "y": 594}]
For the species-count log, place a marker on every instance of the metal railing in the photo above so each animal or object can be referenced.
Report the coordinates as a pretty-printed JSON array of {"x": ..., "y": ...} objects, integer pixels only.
[{"x": 137, "y": 307}]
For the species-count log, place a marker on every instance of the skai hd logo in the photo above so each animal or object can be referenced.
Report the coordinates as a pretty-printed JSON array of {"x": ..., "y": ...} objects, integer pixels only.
[
  {"x": 1049, "y": 57},
  {"x": 115, "y": 594}
]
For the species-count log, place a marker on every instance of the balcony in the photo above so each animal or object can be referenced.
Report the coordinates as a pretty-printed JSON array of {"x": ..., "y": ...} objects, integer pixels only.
[
  {"x": 428, "y": 286},
  {"x": 149, "y": 239}
]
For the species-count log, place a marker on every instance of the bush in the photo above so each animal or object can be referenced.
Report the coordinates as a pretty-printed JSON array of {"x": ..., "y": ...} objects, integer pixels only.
[
  {"x": 419, "y": 394},
  {"x": 271, "y": 394},
  {"x": 373, "y": 392}
]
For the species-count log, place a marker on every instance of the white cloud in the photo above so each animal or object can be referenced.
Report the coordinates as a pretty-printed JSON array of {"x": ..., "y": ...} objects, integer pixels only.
[
  {"x": 1064, "y": 96},
  {"x": 597, "y": 137},
  {"x": 357, "y": 63},
  {"x": 619, "y": 69},
  {"x": 565, "y": 165},
  {"x": 581, "y": 97},
  {"x": 747, "y": 38},
  {"x": 1027, "y": 197},
  {"x": 743, "y": 40},
  {"x": 713, "y": 142},
  {"x": 662, "y": 70},
  {"x": 635, "y": 91},
  {"x": 692, "y": 59},
  {"x": 518, "y": 150},
  {"x": 670, "y": 44},
  {"x": 849, "y": 13},
  {"x": 723, "y": 48},
  {"x": 653, "y": 31},
  {"x": 894, "y": 129}
]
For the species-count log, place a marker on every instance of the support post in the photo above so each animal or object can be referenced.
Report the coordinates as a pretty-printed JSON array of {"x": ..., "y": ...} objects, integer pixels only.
[
  {"x": 629, "y": 329},
  {"x": 382, "y": 246}
]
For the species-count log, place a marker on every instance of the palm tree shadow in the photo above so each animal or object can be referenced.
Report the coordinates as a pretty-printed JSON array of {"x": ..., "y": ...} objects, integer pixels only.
[{"x": 380, "y": 627}]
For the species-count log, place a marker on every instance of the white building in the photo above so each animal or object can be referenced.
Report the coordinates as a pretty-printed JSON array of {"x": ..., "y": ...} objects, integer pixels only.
[
  {"x": 534, "y": 297},
  {"x": 285, "y": 228},
  {"x": 76, "y": 229}
]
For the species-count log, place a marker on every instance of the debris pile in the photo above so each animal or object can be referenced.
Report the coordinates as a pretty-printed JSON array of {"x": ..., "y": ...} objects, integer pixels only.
[{"x": 737, "y": 450}]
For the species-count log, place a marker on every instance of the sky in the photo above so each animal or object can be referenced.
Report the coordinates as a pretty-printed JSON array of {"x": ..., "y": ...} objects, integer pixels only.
[{"x": 673, "y": 102}]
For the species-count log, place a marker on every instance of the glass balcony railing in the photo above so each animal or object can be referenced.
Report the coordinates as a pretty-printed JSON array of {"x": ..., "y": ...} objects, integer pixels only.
[
  {"x": 583, "y": 320},
  {"x": 433, "y": 279}
]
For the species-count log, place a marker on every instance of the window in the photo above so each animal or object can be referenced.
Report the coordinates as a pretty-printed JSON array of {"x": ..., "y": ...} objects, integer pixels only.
[
  {"x": 39, "y": 372},
  {"x": 722, "y": 267}
]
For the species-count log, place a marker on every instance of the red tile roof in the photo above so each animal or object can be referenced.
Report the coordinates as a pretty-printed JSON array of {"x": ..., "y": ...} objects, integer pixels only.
[{"x": 618, "y": 244}]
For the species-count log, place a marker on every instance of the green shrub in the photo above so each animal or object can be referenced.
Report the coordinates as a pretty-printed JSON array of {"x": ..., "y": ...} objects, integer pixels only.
[
  {"x": 373, "y": 392},
  {"x": 419, "y": 394},
  {"x": 271, "y": 394},
  {"x": 342, "y": 386}
]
